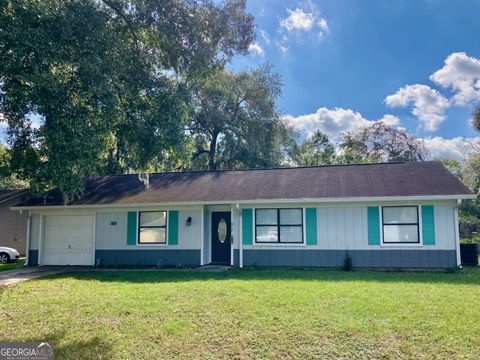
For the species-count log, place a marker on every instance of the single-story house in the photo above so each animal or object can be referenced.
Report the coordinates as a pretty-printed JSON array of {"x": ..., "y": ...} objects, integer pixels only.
[
  {"x": 390, "y": 215},
  {"x": 13, "y": 224}
]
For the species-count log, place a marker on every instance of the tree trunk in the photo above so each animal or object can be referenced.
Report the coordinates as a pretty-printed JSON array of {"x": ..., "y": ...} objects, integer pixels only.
[{"x": 212, "y": 165}]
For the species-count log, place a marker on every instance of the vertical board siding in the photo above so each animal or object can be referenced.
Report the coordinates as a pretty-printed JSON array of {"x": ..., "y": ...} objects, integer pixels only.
[
  {"x": 173, "y": 227},
  {"x": 428, "y": 225},
  {"x": 311, "y": 225},
  {"x": 373, "y": 214},
  {"x": 132, "y": 228},
  {"x": 247, "y": 226}
]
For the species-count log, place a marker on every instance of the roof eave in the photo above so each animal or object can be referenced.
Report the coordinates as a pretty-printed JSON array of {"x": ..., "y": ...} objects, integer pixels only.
[{"x": 256, "y": 201}]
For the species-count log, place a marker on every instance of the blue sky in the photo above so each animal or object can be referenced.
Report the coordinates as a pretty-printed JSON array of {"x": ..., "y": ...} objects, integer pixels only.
[{"x": 414, "y": 64}]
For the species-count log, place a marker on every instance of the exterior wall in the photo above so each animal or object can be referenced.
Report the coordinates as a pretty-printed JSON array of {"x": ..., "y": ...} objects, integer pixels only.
[
  {"x": 111, "y": 247},
  {"x": 340, "y": 227},
  {"x": 344, "y": 227},
  {"x": 13, "y": 227}
]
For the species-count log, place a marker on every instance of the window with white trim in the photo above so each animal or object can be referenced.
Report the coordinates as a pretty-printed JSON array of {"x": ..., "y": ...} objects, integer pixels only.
[
  {"x": 400, "y": 225},
  {"x": 152, "y": 227},
  {"x": 279, "y": 226}
]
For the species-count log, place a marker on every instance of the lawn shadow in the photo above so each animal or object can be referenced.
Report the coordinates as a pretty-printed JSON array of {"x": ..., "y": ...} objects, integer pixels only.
[{"x": 470, "y": 276}]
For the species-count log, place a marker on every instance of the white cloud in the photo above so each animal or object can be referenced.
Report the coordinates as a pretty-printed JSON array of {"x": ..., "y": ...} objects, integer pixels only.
[
  {"x": 334, "y": 121},
  {"x": 323, "y": 24},
  {"x": 256, "y": 49},
  {"x": 456, "y": 147},
  {"x": 284, "y": 49},
  {"x": 298, "y": 20},
  {"x": 461, "y": 73},
  {"x": 265, "y": 36},
  {"x": 303, "y": 22},
  {"x": 390, "y": 120},
  {"x": 428, "y": 104}
]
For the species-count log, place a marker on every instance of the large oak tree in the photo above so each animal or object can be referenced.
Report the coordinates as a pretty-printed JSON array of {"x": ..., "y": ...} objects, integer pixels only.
[{"x": 107, "y": 81}]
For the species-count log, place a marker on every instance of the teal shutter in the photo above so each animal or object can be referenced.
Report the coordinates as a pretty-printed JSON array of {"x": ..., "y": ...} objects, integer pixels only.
[
  {"x": 173, "y": 227},
  {"x": 428, "y": 225},
  {"x": 311, "y": 225},
  {"x": 247, "y": 226},
  {"x": 132, "y": 228},
  {"x": 373, "y": 213}
]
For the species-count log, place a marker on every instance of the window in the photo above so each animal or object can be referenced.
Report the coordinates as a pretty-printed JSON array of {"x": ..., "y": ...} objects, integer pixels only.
[
  {"x": 152, "y": 226},
  {"x": 279, "y": 226},
  {"x": 400, "y": 225}
]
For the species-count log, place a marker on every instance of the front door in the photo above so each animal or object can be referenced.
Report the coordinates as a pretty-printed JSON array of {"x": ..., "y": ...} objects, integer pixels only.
[{"x": 221, "y": 233}]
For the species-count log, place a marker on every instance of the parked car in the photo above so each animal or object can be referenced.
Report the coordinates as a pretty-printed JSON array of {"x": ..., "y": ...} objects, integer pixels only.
[{"x": 8, "y": 254}]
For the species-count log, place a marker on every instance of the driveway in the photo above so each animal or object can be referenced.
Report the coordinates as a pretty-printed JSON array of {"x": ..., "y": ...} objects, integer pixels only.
[{"x": 12, "y": 277}]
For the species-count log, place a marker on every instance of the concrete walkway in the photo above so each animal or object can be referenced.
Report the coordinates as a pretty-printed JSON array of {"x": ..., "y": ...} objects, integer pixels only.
[{"x": 12, "y": 277}]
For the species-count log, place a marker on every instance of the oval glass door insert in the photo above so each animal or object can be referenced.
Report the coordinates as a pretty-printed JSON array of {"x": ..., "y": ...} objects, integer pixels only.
[{"x": 222, "y": 230}]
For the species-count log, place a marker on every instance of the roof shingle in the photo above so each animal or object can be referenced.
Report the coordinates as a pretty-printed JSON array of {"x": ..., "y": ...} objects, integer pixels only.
[{"x": 318, "y": 182}]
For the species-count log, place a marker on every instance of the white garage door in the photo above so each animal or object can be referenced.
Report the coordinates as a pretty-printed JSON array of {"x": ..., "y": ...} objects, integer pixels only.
[{"x": 68, "y": 240}]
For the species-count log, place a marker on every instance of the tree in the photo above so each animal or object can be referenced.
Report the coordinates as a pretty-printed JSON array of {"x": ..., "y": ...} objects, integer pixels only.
[
  {"x": 315, "y": 150},
  {"x": 476, "y": 118},
  {"x": 8, "y": 180},
  {"x": 453, "y": 165},
  {"x": 381, "y": 143},
  {"x": 234, "y": 122},
  {"x": 107, "y": 80}
]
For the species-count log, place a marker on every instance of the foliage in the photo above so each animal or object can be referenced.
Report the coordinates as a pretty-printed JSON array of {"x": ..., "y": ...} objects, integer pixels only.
[
  {"x": 453, "y": 165},
  {"x": 381, "y": 143},
  {"x": 348, "y": 262},
  {"x": 8, "y": 180},
  {"x": 234, "y": 122},
  {"x": 476, "y": 118},
  {"x": 108, "y": 81},
  {"x": 469, "y": 173},
  {"x": 315, "y": 150}
]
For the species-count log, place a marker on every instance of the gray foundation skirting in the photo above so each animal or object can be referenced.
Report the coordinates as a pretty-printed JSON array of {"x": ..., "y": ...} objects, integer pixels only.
[
  {"x": 147, "y": 257},
  {"x": 421, "y": 259}
]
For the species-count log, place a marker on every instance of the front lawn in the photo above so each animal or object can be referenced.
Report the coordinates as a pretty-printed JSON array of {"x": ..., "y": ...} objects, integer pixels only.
[
  {"x": 262, "y": 314},
  {"x": 11, "y": 266}
]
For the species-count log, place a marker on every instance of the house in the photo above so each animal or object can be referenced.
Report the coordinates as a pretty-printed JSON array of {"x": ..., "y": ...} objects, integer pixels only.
[
  {"x": 13, "y": 224},
  {"x": 390, "y": 215}
]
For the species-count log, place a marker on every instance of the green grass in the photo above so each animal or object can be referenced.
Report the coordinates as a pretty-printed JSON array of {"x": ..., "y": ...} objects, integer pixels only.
[
  {"x": 246, "y": 314},
  {"x": 12, "y": 266}
]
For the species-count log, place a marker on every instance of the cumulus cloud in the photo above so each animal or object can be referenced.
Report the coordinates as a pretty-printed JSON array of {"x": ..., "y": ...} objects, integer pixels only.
[
  {"x": 256, "y": 49},
  {"x": 462, "y": 74},
  {"x": 334, "y": 121},
  {"x": 304, "y": 21},
  {"x": 456, "y": 147},
  {"x": 298, "y": 20},
  {"x": 428, "y": 104}
]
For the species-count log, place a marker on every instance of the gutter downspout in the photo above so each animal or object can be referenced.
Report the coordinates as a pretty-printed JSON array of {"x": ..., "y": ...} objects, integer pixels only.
[
  {"x": 457, "y": 235},
  {"x": 27, "y": 250}
]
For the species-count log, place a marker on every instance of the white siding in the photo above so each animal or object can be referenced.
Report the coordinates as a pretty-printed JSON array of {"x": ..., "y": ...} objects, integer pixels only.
[
  {"x": 345, "y": 227},
  {"x": 109, "y": 237}
]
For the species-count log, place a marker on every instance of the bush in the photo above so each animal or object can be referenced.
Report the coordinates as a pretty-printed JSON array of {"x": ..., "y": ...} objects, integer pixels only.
[{"x": 347, "y": 262}]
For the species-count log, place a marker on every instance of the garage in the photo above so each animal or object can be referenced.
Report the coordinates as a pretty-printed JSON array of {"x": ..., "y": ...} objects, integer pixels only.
[{"x": 69, "y": 240}]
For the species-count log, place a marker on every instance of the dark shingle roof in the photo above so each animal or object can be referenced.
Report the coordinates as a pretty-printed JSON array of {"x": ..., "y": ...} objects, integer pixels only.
[
  {"x": 319, "y": 182},
  {"x": 10, "y": 194}
]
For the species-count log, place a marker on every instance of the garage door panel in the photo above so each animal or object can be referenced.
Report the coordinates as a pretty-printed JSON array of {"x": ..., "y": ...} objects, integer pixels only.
[{"x": 69, "y": 240}]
